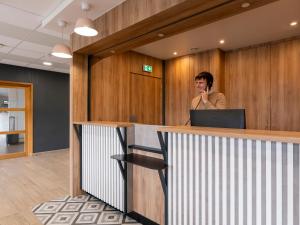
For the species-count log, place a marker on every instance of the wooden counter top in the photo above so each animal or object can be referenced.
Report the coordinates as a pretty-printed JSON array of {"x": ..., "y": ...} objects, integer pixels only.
[
  {"x": 267, "y": 135},
  {"x": 105, "y": 123}
]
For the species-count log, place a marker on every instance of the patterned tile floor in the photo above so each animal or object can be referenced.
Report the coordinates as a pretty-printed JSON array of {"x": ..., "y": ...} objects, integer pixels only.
[{"x": 80, "y": 210}]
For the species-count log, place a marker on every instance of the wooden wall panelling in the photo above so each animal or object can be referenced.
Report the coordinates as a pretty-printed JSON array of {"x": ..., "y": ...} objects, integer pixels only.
[
  {"x": 78, "y": 112},
  {"x": 217, "y": 68},
  {"x": 285, "y": 80},
  {"x": 145, "y": 99},
  {"x": 110, "y": 82},
  {"x": 137, "y": 61},
  {"x": 262, "y": 79},
  {"x": 148, "y": 196},
  {"x": 111, "y": 95},
  {"x": 247, "y": 84},
  {"x": 178, "y": 87}
]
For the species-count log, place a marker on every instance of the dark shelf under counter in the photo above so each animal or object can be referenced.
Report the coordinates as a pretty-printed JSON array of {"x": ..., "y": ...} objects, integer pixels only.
[
  {"x": 141, "y": 160},
  {"x": 146, "y": 149}
]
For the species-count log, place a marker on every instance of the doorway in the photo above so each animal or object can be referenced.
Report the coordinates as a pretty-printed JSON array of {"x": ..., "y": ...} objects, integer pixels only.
[
  {"x": 15, "y": 119},
  {"x": 145, "y": 99}
]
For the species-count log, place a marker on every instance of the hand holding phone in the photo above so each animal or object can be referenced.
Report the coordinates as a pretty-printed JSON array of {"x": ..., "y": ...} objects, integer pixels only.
[{"x": 204, "y": 96}]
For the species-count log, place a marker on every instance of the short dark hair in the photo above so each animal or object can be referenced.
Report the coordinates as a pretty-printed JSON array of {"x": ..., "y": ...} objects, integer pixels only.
[{"x": 206, "y": 76}]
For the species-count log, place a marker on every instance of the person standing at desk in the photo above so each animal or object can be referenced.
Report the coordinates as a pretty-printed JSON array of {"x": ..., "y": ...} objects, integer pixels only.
[{"x": 206, "y": 98}]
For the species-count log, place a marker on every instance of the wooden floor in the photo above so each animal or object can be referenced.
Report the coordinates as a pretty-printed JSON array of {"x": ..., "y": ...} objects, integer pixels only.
[
  {"x": 11, "y": 149},
  {"x": 28, "y": 181}
]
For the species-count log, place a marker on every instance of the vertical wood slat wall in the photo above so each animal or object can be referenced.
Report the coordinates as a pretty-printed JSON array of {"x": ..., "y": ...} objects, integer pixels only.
[
  {"x": 247, "y": 84},
  {"x": 263, "y": 79},
  {"x": 285, "y": 79},
  {"x": 234, "y": 181}
]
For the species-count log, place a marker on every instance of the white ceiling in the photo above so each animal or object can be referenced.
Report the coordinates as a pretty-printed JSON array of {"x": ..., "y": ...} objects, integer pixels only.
[
  {"x": 29, "y": 30},
  {"x": 260, "y": 25}
]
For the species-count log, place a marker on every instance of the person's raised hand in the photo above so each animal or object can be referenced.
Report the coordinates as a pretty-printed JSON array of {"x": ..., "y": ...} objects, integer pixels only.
[{"x": 204, "y": 96}]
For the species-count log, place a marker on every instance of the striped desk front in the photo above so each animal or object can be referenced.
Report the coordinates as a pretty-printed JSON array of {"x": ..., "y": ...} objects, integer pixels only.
[
  {"x": 101, "y": 175},
  {"x": 231, "y": 181}
]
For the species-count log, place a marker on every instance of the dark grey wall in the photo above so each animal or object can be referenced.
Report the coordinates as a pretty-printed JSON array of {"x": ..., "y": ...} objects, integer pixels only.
[{"x": 50, "y": 105}]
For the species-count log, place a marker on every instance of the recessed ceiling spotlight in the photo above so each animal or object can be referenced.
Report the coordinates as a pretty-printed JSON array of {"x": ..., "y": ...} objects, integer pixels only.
[
  {"x": 222, "y": 41},
  {"x": 160, "y": 35},
  {"x": 112, "y": 51},
  {"x": 194, "y": 49},
  {"x": 245, "y": 5},
  {"x": 175, "y": 53},
  {"x": 47, "y": 63},
  {"x": 294, "y": 23}
]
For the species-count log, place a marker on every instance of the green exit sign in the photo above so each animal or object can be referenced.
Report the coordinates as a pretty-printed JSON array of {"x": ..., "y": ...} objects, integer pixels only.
[{"x": 147, "y": 68}]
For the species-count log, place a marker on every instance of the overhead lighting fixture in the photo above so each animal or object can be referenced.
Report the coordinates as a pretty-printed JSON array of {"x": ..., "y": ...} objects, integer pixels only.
[
  {"x": 112, "y": 51},
  {"x": 194, "y": 49},
  {"x": 160, "y": 35},
  {"x": 245, "y": 5},
  {"x": 294, "y": 23},
  {"x": 175, "y": 53},
  {"x": 85, "y": 26},
  {"x": 47, "y": 63},
  {"x": 61, "y": 50},
  {"x": 222, "y": 41}
]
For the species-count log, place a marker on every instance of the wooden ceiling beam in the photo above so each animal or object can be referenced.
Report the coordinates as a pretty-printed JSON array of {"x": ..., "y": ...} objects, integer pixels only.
[{"x": 176, "y": 19}]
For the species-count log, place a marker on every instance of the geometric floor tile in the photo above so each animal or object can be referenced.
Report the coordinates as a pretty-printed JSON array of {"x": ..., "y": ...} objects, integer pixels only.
[
  {"x": 79, "y": 198},
  {"x": 110, "y": 217},
  {"x": 80, "y": 210},
  {"x": 108, "y": 208},
  {"x": 93, "y": 207},
  {"x": 65, "y": 218},
  {"x": 72, "y": 207},
  {"x": 87, "y": 218},
  {"x": 50, "y": 207},
  {"x": 44, "y": 217}
]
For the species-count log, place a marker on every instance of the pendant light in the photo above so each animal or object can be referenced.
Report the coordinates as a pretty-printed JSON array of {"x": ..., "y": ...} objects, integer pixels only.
[
  {"x": 85, "y": 26},
  {"x": 61, "y": 50}
]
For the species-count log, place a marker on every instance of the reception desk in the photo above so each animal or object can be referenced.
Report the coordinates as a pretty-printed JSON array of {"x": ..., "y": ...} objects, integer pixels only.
[{"x": 205, "y": 175}]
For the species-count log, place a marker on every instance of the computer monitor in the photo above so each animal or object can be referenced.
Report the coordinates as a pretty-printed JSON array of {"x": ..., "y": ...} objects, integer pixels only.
[{"x": 224, "y": 118}]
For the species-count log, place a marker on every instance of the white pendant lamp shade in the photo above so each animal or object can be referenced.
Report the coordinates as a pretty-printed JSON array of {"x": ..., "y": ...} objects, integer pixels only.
[
  {"x": 61, "y": 51},
  {"x": 85, "y": 27}
]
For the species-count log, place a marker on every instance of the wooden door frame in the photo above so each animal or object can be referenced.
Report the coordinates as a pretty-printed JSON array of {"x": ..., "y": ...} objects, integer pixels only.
[{"x": 28, "y": 147}]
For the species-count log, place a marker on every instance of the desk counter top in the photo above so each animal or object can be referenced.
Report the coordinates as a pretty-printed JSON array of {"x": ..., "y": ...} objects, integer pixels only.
[
  {"x": 105, "y": 123},
  {"x": 267, "y": 135}
]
